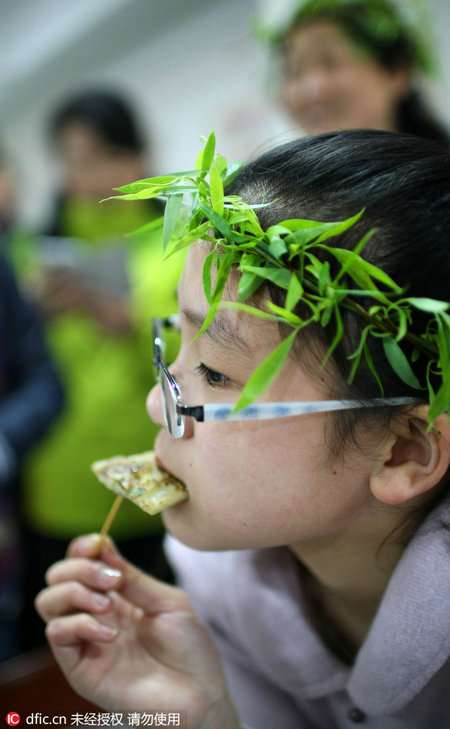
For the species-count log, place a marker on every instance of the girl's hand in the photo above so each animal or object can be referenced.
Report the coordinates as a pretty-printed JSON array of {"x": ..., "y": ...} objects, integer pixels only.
[{"x": 130, "y": 643}]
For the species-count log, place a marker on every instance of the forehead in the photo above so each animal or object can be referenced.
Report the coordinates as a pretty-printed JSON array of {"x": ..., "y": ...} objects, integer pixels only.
[
  {"x": 232, "y": 328},
  {"x": 317, "y": 35},
  {"x": 77, "y": 137}
]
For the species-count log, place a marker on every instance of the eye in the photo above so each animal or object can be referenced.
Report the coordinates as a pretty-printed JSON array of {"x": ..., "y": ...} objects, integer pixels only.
[{"x": 211, "y": 377}]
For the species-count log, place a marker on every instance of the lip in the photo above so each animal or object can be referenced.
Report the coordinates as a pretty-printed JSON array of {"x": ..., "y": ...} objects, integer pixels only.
[{"x": 162, "y": 465}]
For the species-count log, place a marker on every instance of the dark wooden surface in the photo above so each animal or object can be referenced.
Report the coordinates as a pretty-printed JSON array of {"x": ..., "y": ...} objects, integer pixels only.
[{"x": 33, "y": 682}]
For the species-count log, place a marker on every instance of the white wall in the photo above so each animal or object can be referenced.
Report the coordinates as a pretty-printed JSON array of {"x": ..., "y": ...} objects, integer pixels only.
[{"x": 188, "y": 65}]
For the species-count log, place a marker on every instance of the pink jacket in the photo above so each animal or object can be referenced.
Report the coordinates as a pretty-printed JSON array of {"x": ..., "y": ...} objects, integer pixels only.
[{"x": 279, "y": 672}]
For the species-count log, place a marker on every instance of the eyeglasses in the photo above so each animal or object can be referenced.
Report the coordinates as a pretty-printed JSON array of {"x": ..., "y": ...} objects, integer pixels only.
[{"x": 175, "y": 411}]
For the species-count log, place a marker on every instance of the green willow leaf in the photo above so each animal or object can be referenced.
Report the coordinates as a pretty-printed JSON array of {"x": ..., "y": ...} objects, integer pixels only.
[
  {"x": 220, "y": 223},
  {"x": 354, "y": 255},
  {"x": 432, "y": 306},
  {"x": 207, "y": 278},
  {"x": 439, "y": 401},
  {"x": 147, "y": 228},
  {"x": 372, "y": 368},
  {"x": 363, "y": 272},
  {"x": 288, "y": 316},
  {"x": 191, "y": 237},
  {"x": 399, "y": 363},
  {"x": 294, "y": 294},
  {"x": 248, "y": 285},
  {"x": 327, "y": 313},
  {"x": 324, "y": 277},
  {"x": 337, "y": 337},
  {"x": 206, "y": 156},
  {"x": 216, "y": 188},
  {"x": 223, "y": 271},
  {"x": 355, "y": 357},
  {"x": 279, "y": 276},
  {"x": 261, "y": 378},
  {"x": 148, "y": 182},
  {"x": 247, "y": 309},
  {"x": 277, "y": 247},
  {"x": 339, "y": 228},
  {"x": 231, "y": 172},
  {"x": 220, "y": 164},
  {"x": 171, "y": 213}
]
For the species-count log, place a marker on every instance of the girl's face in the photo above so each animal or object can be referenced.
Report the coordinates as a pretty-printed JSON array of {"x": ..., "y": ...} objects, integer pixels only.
[
  {"x": 331, "y": 84},
  {"x": 251, "y": 484}
]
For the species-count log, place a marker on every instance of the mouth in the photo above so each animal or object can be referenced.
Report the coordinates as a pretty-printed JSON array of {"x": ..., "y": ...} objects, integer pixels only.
[{"x": 161, "y": 465}]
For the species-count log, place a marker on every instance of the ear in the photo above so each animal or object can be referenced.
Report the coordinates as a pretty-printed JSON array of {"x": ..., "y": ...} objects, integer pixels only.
[{"x": 415, "y": 458}]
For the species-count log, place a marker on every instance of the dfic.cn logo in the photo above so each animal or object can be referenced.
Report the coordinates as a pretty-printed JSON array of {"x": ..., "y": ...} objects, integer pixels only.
[{"x": 13, "y": 718}]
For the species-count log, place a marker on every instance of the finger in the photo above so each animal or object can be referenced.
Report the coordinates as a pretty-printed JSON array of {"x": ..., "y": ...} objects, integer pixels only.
[
  {"x": 94, "y": 574},
  {"x": 141, "y": 589},
  {"x": 96, "y": 546},
  {"x": 88, "y": 545},
  {"x": 73, "y": 629},
  {"x": 68, "y": 597}
]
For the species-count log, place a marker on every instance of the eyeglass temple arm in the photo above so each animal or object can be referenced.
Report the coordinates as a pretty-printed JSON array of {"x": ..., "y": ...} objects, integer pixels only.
[
  {"x": 196, "y": 411},
  {"x": 219, "y": 412}
]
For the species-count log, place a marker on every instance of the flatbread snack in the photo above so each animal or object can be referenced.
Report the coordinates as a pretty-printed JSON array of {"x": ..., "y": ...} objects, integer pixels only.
[{"x": 140, "y": 480}]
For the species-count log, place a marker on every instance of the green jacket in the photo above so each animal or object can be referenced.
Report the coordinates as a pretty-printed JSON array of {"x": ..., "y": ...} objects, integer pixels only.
[{"x": 107, "y": 378}]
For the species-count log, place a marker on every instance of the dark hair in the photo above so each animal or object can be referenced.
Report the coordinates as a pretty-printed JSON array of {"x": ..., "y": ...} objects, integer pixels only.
[
  {"x": 403, "y": 183},
  {"x": 104, "y": 112},
  {"x": 376, "y": 26}
]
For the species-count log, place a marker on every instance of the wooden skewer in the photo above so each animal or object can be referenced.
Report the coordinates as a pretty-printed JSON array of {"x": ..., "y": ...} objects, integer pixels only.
[{"x": 110, "y": 518}]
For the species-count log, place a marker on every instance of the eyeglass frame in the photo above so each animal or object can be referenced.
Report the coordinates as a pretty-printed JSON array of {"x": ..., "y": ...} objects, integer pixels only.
[{"x": 223, "y": 412}]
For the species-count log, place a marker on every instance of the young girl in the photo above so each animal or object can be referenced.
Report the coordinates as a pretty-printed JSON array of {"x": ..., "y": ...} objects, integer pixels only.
[{"x": 314, "y": 547}]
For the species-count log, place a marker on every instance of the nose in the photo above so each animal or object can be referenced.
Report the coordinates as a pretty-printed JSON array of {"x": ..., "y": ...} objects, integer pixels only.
[
  {"x": 154, "y": 405},
  {"x": 306, "y": 89}
]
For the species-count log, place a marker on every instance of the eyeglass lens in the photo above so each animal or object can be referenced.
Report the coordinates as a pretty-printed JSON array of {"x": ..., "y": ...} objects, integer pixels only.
[{"x": 173, "y": 421}]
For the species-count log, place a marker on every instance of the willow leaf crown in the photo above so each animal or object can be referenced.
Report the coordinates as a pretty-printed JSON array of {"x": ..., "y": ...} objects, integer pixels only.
[{"x": 286, "y": 255}]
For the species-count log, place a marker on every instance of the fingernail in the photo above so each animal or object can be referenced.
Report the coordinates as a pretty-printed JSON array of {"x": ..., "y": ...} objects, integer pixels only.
[
  {"x": 100, "y": 601},
  {"x": 89, "y": 545},
  {"x": 109, "y": 575},
  {"x": 107, "y": 630}
]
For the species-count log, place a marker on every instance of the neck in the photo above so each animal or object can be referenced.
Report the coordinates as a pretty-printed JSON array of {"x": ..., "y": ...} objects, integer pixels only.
[{"x": 350, "y": 573}]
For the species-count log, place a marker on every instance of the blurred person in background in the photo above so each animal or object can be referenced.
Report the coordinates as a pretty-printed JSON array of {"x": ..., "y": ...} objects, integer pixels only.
[
  {"x": 355, "y": 64},
  {"x": 7, "y": 195},
  {"x": 30, "y": 399},
  {"x": 16, "y": 238},
  {"x": 97, "y": 290}
]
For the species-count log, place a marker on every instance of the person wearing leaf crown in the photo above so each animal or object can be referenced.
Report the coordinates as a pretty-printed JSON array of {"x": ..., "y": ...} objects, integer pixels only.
[
  {"x": 307, "y": 412},
  {"x": 356, "y": 64}
]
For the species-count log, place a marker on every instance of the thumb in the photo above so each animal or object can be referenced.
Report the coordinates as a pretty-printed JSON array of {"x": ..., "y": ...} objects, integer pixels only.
[
  {"x": 150, "y": 594},
  {"x": 140, "y": 588}
]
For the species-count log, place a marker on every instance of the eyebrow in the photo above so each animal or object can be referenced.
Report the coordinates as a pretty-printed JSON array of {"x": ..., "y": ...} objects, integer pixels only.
[{"x": 219, "y": 331}]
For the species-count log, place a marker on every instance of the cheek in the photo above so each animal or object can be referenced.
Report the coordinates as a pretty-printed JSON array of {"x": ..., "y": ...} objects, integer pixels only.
[
  {"x": 264, "y": 469},
  {"x": 262, "y": 487},
  {"x": 367, "y": 86}
]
